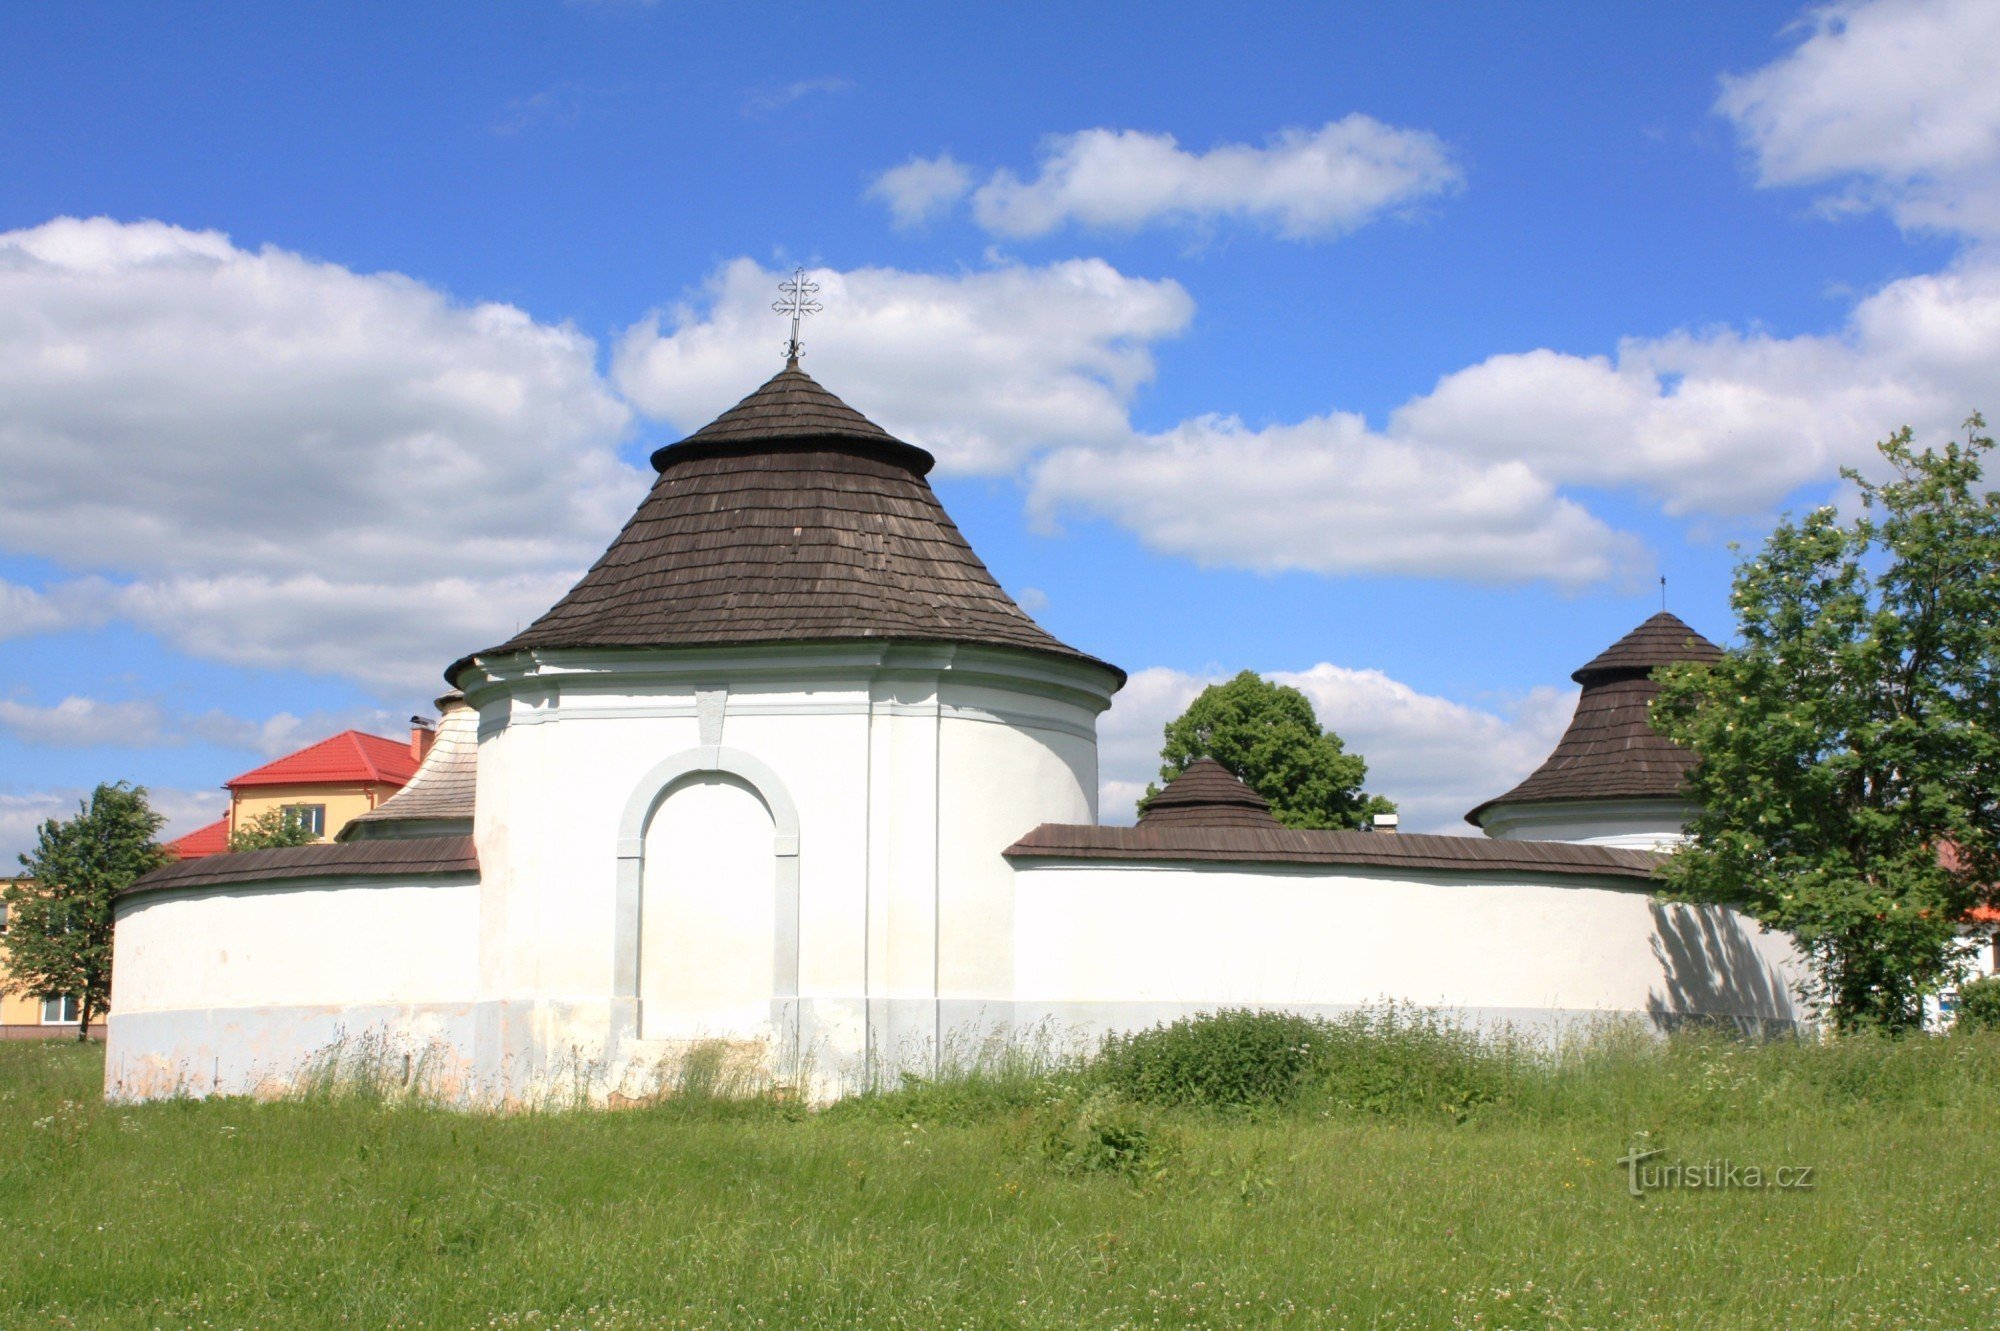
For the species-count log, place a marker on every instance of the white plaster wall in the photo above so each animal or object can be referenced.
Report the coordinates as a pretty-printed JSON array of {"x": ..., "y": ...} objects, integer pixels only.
[
  {"x": 707, "y": 915},
  {"x": 242, "y": 990},
  {"x": 368, "y": 942},
  {"x": 1120, "y": 943},
  {"x": 911, "y": 768},
  {"x": 1632, "y": 824},
  {"x": 997, "y": 782}
]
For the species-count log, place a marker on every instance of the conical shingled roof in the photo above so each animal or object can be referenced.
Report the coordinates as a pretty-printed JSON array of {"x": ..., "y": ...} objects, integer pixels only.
[
  {"x": 444, "y": 789},
  {"x": 1661, "y": 640},
  {"x": 790, "y": 405},
  {"x": 1611, "y": 750},
  {"x": 789, "y": 518},
  {"x": 1207, "y": 794}
]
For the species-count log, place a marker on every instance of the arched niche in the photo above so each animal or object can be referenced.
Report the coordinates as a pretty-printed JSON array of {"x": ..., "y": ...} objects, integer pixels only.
[{"x": 721, "y": 765}]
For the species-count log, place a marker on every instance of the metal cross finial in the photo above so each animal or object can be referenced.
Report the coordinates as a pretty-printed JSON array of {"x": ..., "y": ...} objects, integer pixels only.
[{"x": 798, "y": 302}]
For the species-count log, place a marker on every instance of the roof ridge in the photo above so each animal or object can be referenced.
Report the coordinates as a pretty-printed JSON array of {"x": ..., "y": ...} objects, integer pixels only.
[{"x": 370, "y": 763}]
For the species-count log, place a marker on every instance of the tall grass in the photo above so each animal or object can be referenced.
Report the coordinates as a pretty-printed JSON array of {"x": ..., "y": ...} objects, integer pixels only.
[{"x": 1407, "y": 1171}]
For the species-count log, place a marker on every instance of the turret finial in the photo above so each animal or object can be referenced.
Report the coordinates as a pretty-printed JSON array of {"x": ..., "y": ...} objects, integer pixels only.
[{"x": 798, "y": 302}]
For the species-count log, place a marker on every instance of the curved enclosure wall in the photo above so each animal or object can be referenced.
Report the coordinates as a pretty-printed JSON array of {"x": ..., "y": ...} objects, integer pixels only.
[
  {"x": 245, "y": 989},
  {"x": 1632, "y": 824},
  {"x": 905, "y": 770},
  {"x": 1102, "y": 947}
]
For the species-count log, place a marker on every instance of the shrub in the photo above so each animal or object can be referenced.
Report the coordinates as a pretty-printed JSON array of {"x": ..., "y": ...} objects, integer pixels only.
[
  {"x": 1979, "y": 1005},
  {"x": 1229, "y": 1059},
  {"x": 1399, "y": 1060},
  {"x": 1102, "y": 1134}
]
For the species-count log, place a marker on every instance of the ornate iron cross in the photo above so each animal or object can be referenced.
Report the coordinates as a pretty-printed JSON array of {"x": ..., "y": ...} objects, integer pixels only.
[{"x": 798, "y": 303}]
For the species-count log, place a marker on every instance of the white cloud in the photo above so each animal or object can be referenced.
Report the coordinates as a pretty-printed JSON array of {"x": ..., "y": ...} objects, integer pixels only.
[
  {"x": 1896, "y": 97},
  {"x": 1301, "y": 184},
  {"x": 982, "y": 368},
  {"x": 77, "y": 722},
  {"x": 279, "y": 461},
  {"x": 23, "y": 813},
  {"x": 921, "y": 188},
  {"x": 1436, "y": 758},
  {"x": 25, "y": 611},
  {"x": 1329, "y": 495},
  {"x": 283, "y": 733},
  {"x": 1729, "y": 422},
  {"x": 769, "y": 101}
]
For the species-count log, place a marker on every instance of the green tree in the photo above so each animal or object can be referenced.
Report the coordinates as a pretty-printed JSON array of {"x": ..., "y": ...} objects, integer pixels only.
[
  {"x": 1849, "y": 747},
  {"x": 59, "y": 922},
  {"x": 1268, "y": 736},
  {"x": 272, "y": 830}
]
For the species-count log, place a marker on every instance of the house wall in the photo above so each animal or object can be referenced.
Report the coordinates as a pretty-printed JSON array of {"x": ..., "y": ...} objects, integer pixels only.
[
  {"x": 21, "y": 1014},
  {"x": 1103, "y": 945},
  {"x": 243, "y": 989},
  {"x": 344, "y": 803}
]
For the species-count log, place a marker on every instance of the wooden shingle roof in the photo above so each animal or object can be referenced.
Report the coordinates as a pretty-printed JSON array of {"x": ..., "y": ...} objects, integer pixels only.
[
  {"x": 1207, "y": 794},
  {"x": 416, "y": 857},
  {"x": 1611, "y": 750},
  {"x": 1154, "y": 843},
  {"x": 444, "y": 790},
  {"x": 789, "y": 518},
  {"x": 1662, "y": 640}
]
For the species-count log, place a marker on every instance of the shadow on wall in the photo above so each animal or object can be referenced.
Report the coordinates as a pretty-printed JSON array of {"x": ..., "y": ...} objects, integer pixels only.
[{"x": 1714, "y": 974}]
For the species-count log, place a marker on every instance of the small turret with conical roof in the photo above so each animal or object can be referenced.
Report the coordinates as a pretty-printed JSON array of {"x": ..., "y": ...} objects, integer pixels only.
[
  {"x": 1207, "y": 794},
  {"x": 791, "y": 517},
  {"x": 1612, "y": 779}
]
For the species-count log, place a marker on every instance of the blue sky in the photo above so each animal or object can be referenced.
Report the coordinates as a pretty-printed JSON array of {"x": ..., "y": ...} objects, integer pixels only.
[{"x": 1392, "y": 350}]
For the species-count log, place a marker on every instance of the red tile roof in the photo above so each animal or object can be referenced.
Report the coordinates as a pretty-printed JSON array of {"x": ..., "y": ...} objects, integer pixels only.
[
  {"x": 210, "y": 840},
  {"x": 352, "y": 756}
]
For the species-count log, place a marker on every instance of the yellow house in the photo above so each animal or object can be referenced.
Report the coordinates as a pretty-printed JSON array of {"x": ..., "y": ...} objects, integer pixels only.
[
  {"x": 32, "y": 1018},
  {"x": 324, "y": 786}
]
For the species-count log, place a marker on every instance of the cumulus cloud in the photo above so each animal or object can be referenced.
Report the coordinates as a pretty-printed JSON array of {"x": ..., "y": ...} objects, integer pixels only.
[
  {"x": 77, "y": 722},
  {"x": 1436, "y": 758},
  {"x": 1896, "y": 100},
  {"x": 25, "y": 611},
  {"x": 23, "y": 812},
  {"x": 1724, "y": 421},
  {"x": 1301, "y": 184},
  {"x": 921, "y": 188},
  {"x": 282, "y": 733},
  {"x": 982, "y": 368},
  {"x": 275, "y": 460},
  {"x": 1329, "y": 495}
]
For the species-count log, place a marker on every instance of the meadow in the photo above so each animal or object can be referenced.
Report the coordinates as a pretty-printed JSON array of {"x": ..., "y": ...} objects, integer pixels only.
[{"x": 1387, "y": 1173}]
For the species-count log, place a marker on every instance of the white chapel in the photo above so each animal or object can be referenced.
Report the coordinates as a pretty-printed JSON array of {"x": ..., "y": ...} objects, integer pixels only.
[{"x": 788, "y": 769}]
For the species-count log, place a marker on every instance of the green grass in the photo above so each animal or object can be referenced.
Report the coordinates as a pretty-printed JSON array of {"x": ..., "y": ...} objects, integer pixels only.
[{"x": 976, "y": 1202}]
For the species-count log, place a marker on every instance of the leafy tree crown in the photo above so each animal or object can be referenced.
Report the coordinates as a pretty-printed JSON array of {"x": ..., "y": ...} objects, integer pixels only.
[
  {"x": 1848, "y": 747},
  {"x": 60, "y": 917},
  {"x": 1267, "y": 735}
]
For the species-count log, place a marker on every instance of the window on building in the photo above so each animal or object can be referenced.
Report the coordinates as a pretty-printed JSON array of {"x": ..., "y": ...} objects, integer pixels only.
[
  {"x": 312, "y": 817},
  {"x": 59, "y": 1011},
  {"x": 3, "y": 917}
]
